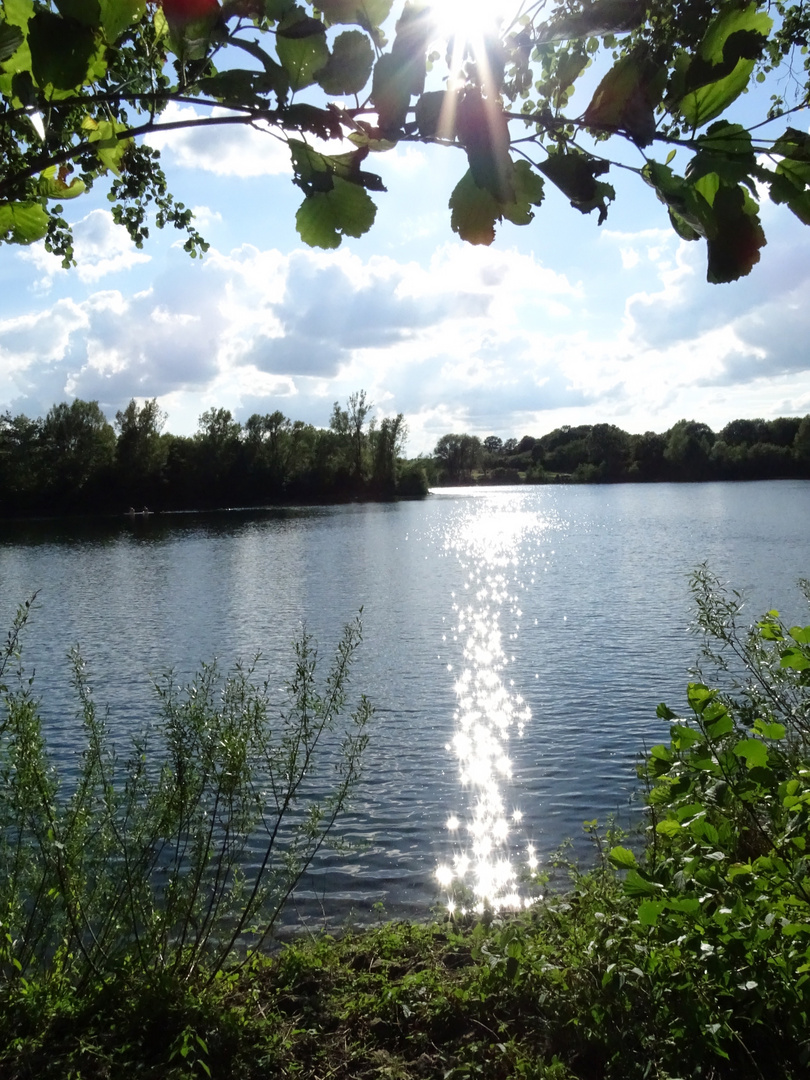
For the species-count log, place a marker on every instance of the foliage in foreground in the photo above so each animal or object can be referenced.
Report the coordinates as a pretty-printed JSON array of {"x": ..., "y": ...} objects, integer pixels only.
[
  {"x": 688, "y": 958},
  {"x": 157, "y": 862},
  {"x": 83, "y": 84}
]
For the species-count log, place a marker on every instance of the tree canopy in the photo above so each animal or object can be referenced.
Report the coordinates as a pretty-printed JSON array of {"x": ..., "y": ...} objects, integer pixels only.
[{"x": 83, "y": 82}]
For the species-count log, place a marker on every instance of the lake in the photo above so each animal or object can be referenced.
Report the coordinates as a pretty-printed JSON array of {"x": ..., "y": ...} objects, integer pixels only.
[{"x": 516, "y": 644}]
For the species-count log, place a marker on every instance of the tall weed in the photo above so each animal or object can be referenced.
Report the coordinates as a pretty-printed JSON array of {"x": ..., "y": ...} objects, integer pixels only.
[{"x": 182, "y": 849}]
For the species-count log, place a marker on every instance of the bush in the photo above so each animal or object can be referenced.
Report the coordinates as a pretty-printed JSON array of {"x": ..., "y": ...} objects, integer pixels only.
[{"x": 139, "y": 865}]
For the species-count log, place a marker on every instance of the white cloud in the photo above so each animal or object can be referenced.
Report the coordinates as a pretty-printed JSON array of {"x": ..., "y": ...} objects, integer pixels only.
[
  {"x": 479, "y": 339},
  {"x": 205, "y": 216},
  {"x": 226, "y": 150},
  {"x": 101, "y": 248}
]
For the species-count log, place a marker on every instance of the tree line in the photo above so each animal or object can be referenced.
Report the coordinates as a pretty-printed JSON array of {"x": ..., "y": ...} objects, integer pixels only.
[
  {"x": 603, "y": 453},
  {"x": 75, "y": 461}
]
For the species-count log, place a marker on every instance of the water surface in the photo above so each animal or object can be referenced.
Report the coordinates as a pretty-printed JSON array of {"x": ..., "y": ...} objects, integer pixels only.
[{"x": 517, "y": 642}]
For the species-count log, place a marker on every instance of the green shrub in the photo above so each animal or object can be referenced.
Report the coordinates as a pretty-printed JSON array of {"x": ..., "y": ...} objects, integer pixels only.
[{"x": 141, "y": 864}]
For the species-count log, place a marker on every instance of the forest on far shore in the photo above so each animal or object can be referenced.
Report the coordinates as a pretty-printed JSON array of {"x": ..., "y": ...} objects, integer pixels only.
[
  {"x": 603, "y": 453},
  {"x": 75, "y": 461}
]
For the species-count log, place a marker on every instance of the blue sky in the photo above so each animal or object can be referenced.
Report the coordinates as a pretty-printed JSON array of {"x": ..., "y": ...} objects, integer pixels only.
[{"x": 560, "y": 322}]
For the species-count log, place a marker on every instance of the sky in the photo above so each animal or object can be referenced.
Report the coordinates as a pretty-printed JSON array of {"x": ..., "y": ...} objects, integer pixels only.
[{"x": 559, "y": 322}]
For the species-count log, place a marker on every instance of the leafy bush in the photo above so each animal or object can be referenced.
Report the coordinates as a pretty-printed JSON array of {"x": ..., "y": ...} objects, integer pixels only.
[{"x": 168, "y": 857}]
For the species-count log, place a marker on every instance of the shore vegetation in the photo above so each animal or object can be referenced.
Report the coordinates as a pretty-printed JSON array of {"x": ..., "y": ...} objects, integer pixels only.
[
  {"x": 776, "y": 449},
  {"x": 75, "y": 461}
]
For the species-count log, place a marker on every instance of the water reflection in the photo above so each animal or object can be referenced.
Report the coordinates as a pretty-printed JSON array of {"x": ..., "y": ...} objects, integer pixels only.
[{"x": 490, "y": 851}]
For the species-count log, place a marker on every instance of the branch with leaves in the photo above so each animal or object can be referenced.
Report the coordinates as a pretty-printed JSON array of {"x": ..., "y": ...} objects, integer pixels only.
[{"x": 84, "y": 83}]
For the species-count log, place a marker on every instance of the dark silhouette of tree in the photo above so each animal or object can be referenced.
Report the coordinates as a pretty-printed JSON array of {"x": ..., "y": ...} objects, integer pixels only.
[
  {"x": 458, "y": 455},
  {"x": 140, "y": 451},
  {"x": 689, "y": 445},
  {"x": 78, "y": 454}
]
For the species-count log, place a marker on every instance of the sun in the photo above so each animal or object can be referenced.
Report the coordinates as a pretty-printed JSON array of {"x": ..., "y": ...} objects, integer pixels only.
[
  {"x": 468, "y": 23},
  {"x": 473, "y": 19}
]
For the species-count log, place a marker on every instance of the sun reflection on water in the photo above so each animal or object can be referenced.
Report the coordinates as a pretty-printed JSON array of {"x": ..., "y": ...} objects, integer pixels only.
[{"x": 489, "y": 856}]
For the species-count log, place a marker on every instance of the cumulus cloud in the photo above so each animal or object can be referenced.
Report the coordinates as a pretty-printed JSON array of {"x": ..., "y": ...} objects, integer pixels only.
[
  {"x": 222, "y": 149},
  {"x": 487, "y": 340},
  {"x": 728, "y": 335},
  {"x": 101, "y": 248},
  {"x": 204, "y": 216}
]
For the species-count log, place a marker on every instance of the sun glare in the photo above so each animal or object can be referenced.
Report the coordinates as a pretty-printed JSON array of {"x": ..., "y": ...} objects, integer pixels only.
[{"x": 471, "y": 19}]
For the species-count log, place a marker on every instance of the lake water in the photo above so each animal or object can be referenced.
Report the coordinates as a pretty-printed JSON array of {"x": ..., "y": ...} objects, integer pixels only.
[{"x": 516, "y": 644}]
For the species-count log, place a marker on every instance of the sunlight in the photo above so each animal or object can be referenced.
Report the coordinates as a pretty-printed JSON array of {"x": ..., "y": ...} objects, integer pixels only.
[{"x": 471, "y": 19}]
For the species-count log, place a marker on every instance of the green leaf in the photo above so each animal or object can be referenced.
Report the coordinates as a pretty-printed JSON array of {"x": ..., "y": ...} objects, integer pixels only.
[
  {"x": 53, "y": 186},
  {"x": 275, "y": 77},
  {"x": 753, "y": 751},
  {"x": 800, "y": 634},
  {"x": 622, "y": 857},
  {"x": 61, "y": 51},
  {"x": 365, "y": 13},
  {"x": 118, "y": 15},
  {"x": 18, "y": 12},
  {"x": 663, "y": 712},
  {"x": 770, "y": 730},
  {"x": 669, "y": 827},
  {"x": 301, "y": 47},
  {"x": 739, "y": 870},
  {"x": 649, "y": 911},
  {"x": 109, "y": 149},
  {"x": 575, "y": 175},
  {"x": 719, "y": 727},
  {"x": 86, "y": 12},
  {"x": 731, "y": 21},
  {"x": 690, "y": 810},
  {"x": 686, "y": 905},
  {"x": 710, "y": 101},
  {"x": 699, "y": 696},
  {"x": 702, "y": 829},
  {"x": 597, "y": 19},
  {"x": 11, "y": 37},
  {"x": 277, "y": 9},
  {"x": 324, "y": 218},
  {"x": 684, "y": 737},
  {"x": 400, "y": 74},
  {"x": 727, "y": 168},
  {"x": 434, "y": 109},
  {"x": 321, "y": 122},
  {"x": 796, "y": 659},
  {"x": 483, "y": 131},
  {"x": 726, "y": 59},
  {"x": 474, "y": 211},
  {"x": 626, "y": 98},
  {"x": 726, "y": 138},
  {"x": 391, "y": 94},
  {"x": 349, "y": 67},
  {"x": 314, "y": 172},
  {"x": 734, "y": 249},
  {"x": 689, "y": 212},
  {"x": 636, "y": 885},
  {"x": 23, "y": 222}
]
